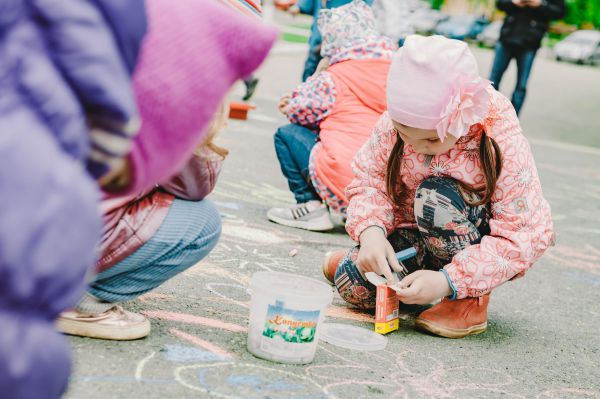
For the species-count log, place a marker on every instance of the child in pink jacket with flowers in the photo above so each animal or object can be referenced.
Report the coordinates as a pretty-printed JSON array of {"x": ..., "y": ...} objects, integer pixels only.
[{"x": 448, "y": 172}]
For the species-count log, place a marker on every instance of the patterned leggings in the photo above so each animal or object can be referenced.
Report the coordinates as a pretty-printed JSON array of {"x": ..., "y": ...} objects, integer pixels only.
[{"x": 446, "y": 225}]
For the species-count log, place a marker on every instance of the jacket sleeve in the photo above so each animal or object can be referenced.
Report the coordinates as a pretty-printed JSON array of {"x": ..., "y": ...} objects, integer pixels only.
[
  {"x": 198, "y": 177},
  {"x": 552, "y": 9},
  {"x": 521, "y": 227},
  {"x": 369, "y": 204},
  {"x": 307, "y": 6},
  {"x": 312, "y": 101},
  {"x": 86, "y": 52}
]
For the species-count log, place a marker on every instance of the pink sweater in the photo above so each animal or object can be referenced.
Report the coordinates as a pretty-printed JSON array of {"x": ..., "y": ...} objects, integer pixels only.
[{"x": 521, "y": 224}]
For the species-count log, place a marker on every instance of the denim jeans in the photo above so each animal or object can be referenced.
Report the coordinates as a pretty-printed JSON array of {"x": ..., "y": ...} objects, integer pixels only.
[
  {"x": 446, "y": 225},
  {"x": 186, "y": 236},
  {"x": 524, "y": 58},
  {"x": 293, "y": 145}
]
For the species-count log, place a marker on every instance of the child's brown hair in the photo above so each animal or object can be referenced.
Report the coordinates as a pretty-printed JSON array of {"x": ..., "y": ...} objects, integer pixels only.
[
  {"x": 491, "y": 166},
  {"x": 218, "y": 123}
]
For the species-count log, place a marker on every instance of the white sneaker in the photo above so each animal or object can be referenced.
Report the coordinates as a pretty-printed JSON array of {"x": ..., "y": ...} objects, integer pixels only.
[
  {"x": 312, "y": 215},
  {"x": 337, "y": 218},
  {"x": 114, "y": 324}
]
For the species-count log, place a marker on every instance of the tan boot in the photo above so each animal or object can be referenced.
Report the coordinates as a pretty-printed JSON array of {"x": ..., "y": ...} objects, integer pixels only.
[
  {"x": 114, "y": 324},
  {"x": 456, "y": 319},
  {"x": 331, "y": 262}
]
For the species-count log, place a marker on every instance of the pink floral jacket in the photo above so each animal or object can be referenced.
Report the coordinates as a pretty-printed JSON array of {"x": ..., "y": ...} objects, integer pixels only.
[{"x": 521, "y": 224}]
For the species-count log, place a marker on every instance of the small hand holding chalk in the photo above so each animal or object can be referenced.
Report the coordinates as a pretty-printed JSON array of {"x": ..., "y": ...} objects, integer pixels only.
[
  {"x": 422, "y": 287},
  {"x": 377, "y": 255},
  {"x": 284, "y": 103}
]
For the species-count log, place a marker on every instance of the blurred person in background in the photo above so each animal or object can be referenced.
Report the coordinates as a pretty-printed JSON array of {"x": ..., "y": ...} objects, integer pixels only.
[{"x": 521, "y": 36}]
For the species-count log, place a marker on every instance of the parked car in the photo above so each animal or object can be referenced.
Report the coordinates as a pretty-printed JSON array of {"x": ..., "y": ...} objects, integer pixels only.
[
  {"x": 582, "y": 46},
  {"x": 462, "y": 27},
  {"x": 425, "y": 21},
  {"x": 491, "y": 34}
]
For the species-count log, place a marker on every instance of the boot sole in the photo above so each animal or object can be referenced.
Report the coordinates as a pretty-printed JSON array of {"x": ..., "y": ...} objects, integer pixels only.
[
  {"x": 301, "y": 224},
  {"x": 326, "y": 267},
  {"x": 450, "y": 332},
  {"x": 90, "y": 330}
]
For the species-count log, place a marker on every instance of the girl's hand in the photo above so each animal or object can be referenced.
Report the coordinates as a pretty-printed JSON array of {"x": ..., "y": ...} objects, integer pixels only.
[
  {"x": 377, "y": 255},
  {"x": 283, "y": 104},
  {"x": 422, "y": 287}
]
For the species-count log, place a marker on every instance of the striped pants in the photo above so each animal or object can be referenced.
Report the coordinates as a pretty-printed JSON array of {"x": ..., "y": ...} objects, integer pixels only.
[
  {"x": 446, "y": 225},
  {"x": 187, "y": 235}
]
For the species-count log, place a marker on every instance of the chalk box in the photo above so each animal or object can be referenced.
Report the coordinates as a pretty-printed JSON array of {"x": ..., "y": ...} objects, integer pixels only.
[{"x": 386, "y": 310}]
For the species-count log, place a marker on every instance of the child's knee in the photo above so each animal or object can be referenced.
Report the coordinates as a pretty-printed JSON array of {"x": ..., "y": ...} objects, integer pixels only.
[
  {"x": 350, "y": 284},
  {"x": 443, "y": 185},
  {"x": 283, "y": 133},
  {"x": 208, "y": 236},
  {"x": 436, "y": 197}
]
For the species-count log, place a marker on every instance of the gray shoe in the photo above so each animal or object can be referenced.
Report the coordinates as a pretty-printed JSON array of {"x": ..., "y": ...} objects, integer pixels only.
[{"x": 311, "y": 215}]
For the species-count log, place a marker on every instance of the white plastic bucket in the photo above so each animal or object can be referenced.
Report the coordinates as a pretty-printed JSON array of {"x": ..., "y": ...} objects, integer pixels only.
[{"x": 286, "y": 313}]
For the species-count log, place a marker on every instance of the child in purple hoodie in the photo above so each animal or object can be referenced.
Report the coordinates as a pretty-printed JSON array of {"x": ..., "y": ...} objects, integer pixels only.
[{"x": 152, "y": 235}]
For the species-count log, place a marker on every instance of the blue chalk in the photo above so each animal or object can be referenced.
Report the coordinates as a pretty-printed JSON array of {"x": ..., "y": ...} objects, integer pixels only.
[{"x": 406, "y": 254}]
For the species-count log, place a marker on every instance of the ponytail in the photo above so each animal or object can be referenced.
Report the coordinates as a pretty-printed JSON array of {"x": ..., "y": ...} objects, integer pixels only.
[
  {"x": 491, "y": 166},
  {"x": 392, "y": 173}
]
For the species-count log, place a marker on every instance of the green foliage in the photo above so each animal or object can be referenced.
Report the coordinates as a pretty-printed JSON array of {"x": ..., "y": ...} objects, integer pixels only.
[{"x": 583, "y": 13}]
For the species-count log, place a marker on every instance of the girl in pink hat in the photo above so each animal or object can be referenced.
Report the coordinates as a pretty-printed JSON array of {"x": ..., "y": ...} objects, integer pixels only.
[{"x": 448, "y": 172}]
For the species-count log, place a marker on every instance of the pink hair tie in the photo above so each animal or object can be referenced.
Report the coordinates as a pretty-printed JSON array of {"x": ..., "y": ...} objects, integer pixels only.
[{"x": 469, "y": 105}]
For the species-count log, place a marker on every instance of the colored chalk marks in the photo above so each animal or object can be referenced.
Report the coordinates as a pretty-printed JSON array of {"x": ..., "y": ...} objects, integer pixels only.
[
  {"x": 231, "y": 380},
  {"x": 186, "y": 354}
]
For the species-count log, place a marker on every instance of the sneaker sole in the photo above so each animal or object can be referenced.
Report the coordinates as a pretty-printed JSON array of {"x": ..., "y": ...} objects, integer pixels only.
[
  {"x": 299, "y": 224},
  {"x": 90, "y": 330},
  {"x": 446, "y": 332}
]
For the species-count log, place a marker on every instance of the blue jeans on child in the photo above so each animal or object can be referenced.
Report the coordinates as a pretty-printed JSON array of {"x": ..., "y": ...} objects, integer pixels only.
[
  {"x": 188, "y": 233},
  {"x": 293, "y": 144},
  {"x": 525, "y": 58},
  {"x": 446, "y": 225}
]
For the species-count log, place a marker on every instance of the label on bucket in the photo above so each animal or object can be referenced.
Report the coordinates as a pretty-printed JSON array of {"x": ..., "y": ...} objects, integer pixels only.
[{"x": 286, "y": 328}]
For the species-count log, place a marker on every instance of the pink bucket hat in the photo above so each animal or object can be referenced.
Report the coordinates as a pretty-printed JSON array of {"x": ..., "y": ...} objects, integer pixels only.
[
  {"x": 193, "y": 53},
  {"x": 434, "y": 83}
]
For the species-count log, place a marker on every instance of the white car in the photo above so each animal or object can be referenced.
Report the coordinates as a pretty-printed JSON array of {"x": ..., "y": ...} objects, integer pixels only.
[
  {"x": 425, "y": 21},
  {"x": 582, "y": 46}
]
